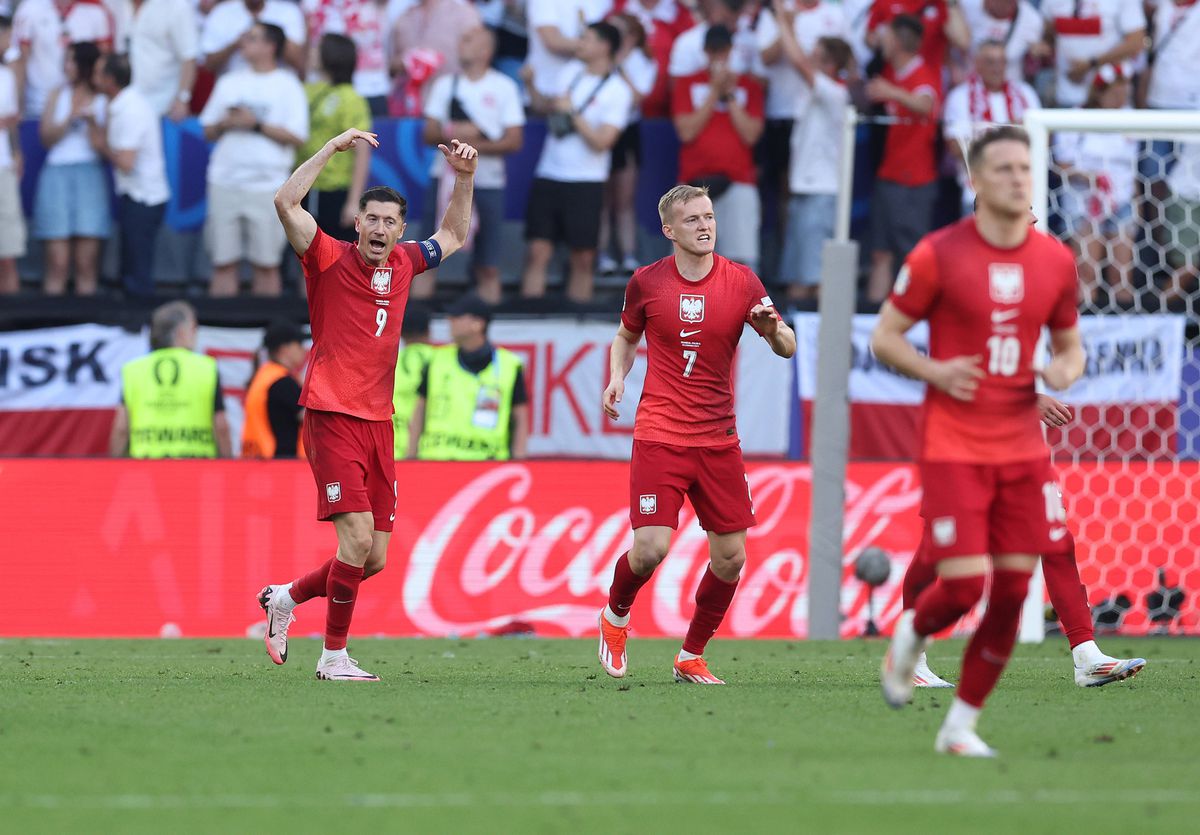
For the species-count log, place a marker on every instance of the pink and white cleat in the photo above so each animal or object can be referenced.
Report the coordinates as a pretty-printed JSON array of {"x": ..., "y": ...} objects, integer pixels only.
[
  {"x": 343, "y": 668},
  {"x": 694, "y": 671},
  {"x": 279, "y": 618}
]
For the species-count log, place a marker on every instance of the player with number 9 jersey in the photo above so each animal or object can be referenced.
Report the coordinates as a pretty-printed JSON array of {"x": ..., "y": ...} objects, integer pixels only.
[{"x": 356, "y": 297}]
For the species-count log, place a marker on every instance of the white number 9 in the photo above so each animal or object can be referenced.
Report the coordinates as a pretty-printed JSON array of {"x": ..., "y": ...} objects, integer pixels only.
[{"x": 381, "y": 320}]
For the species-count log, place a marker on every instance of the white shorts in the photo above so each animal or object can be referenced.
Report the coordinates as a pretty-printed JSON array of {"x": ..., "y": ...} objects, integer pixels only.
[{"x": 241, "y": 225}]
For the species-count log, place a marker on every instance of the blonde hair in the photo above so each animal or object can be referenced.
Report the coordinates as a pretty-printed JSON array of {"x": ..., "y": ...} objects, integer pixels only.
[{"x": 677, "y": 197}]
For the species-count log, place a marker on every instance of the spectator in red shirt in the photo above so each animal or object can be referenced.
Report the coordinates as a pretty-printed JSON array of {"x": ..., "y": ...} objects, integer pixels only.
[
  {"x": 943, "y": 23},
  {"x": 906, "y": 182},
  {"x": 719, "y": 118}
]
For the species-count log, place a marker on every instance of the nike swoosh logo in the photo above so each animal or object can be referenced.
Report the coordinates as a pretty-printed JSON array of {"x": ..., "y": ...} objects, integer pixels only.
[
  {"x": 1057, "y": 534},
  {"x": 1000, "y": 316},
  {"x": 686, "y": 334},
  {"x": 271, "y": 627},
  {"x": 351, "y": 600}
]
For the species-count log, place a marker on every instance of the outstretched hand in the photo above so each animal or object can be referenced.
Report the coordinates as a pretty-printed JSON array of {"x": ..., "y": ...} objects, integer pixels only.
[
  {"x": 345, "y": 141},
  {"x": 460, "y": 156}
]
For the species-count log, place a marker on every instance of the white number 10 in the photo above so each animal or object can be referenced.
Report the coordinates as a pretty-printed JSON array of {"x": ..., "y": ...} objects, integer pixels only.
[
  {"x": 381, "y": 320},
  {"x": 1004, "y": 355},
  {"x": 690, "y": 356}
]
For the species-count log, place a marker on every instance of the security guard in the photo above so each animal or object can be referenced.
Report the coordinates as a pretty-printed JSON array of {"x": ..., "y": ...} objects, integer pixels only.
[
  {"x": 171, "y": 399},
  {"x": 472, "y": 404},
  {"x": 415, "y": 353},
  {"x": 273, "y": 412}
]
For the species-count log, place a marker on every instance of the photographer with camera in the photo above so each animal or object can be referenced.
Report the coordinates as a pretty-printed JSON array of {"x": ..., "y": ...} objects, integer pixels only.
[{"x": 584, "y": 122}]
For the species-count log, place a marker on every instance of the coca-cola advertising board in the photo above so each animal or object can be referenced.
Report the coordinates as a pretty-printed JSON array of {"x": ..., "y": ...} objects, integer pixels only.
[{"x": 140, "y": 549}]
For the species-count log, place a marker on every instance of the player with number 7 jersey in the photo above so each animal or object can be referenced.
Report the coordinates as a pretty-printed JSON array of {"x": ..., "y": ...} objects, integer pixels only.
[
  {"x": 356, "y": 298},
  {"x": 692, "y": 307},
  {"x": 988, "y": 285}
]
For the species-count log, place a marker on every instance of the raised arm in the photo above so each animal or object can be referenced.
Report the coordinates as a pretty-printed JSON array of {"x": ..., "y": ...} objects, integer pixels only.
[
  {"x": 620, "y": 360},
  {"x": 299, "y": 225},
  {"x": 456, "y": 223}
]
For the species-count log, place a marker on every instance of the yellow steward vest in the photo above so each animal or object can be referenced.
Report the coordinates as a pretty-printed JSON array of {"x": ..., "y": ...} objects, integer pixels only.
[
  {"x": 468, "y": 416},
  {"x": 169, "y": 395}
]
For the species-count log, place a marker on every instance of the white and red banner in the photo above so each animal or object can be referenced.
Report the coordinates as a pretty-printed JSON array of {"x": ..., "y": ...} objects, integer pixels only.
[
  {"x": 147, "y": 548},
  {"x": 58, "y": 387},
  {"x": 1133, "y": 379}
]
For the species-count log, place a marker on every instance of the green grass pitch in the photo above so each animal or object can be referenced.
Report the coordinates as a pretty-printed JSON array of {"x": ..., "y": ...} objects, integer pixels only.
[{"x": 508, "y": 735}]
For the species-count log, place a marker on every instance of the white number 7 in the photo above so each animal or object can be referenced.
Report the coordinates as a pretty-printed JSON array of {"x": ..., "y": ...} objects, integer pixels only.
[
  {"x": 381, "y": 320},
  {"x": 690, "y": 356}
]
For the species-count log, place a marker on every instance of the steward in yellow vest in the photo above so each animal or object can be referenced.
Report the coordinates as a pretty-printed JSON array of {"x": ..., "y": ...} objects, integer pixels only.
[
  {"x": 171, "y": 398},
  {"x": 415, "y": 353},
  {"x": 472, "y": 404},
  {"x": 273, "y": 412}
]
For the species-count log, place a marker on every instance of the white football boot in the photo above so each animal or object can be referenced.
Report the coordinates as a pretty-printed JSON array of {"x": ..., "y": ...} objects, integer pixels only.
[
  {"x": 273, "y": 601},
  {"x": 900, "y": 662},
  {"x": 925, "y": 677},
  {"x": 1108, "y": 670},
  {"x": 343, "y": 668},
  {"x": 961, "y": 741}
]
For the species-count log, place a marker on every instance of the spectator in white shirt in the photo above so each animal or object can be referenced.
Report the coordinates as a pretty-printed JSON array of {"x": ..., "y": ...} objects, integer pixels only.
[
  {"x": 986, "y": 98},
  {"x": 71, "y": 210},
  {"x": 257, "y": 117},
  {"x": 636, "y": 65},
  {"x": 162, "y": 40},
  {"x": 687, "y": 53},
  {"x": 482, "y": 107},
  {"x": 229, "y": 20},
  {"x": 555, "y": 30},
  {"x": 1096, "y": 198},
  {"x": 1015, "y": 24},
  {"x": 132, "y": 142},
  {"x": 816, "y": 142},
  {"x": 1173, "y": 80},
  {"x": 42, "y": 30},
  {"x": 12, "y": 216},
  {"x": 1087, "y": 34},
  {"x": 585, "y": 119}
]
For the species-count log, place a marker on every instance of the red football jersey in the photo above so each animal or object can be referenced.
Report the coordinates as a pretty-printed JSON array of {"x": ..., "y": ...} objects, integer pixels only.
[
  {"x": 692, "y": 331},
  {"x": 356, "y": 310},
  {"x": 983, "y": 300},
  {"x": 933, "y": 16},
  {"x": 717, "y": 150},
  {"x": 910, "y": 150}
]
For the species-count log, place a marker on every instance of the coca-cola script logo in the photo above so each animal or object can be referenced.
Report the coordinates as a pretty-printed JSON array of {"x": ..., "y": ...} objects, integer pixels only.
[{"x": 505, "y": 547}]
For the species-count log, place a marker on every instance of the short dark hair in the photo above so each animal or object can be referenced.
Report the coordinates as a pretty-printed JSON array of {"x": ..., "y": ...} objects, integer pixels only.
[
  {"x": 909, "y": 30},
  {"x": 339, "y": 57},
  {"x": 281, "y": 333},
  {"x": 117, "y": 68},
  {"x": 1000, "y": 133},
  {"x": 718, "y": 39},
  {"x": 416, "y": 321},
  {"x": 383, "y": 194},
  {"x": 275, "y": 35},
  {"x": 165, "y": 322},
  {"x": 84, "y": 55},
  {"x": 609, "y": 34},
  {"x": 839, "y": 52}
]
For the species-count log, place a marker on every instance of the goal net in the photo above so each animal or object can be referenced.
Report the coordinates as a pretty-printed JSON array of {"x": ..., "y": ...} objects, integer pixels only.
[{"x": 1123, "y": 191}]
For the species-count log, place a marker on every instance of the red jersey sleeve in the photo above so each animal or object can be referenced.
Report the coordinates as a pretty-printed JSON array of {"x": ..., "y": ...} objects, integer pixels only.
[
  {"x": 633, "y": 312},
  {"x": 415, "y": 252},
  {"x": 917, "y": 286},
  {"x": 756, "y": 293},
  {"x": 321, "y": 254},
  {"x": 1066, "y": 311}
]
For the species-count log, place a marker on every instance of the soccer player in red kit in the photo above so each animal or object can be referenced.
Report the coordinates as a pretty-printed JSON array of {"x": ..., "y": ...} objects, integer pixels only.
[
  {"x": 356, "y": 297},
  {"x": 1067, "y": 593},
  {"x": 987, "y": 285},
  {"x": 692, "y": 306}
]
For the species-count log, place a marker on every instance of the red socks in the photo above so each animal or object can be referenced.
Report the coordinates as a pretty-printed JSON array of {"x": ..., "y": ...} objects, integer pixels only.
[
  {"x": 991, "y": 645},
  {"x": 313, "y": 583},
  {"x": 625, "y": 586},
  {"x": 945, "y": 602},
  {"x": 922, "y": 571},
  {"x": 1068, "y": 595},
  {"x": 342, "y": 589},
  {"x": 712, "y": 600}
]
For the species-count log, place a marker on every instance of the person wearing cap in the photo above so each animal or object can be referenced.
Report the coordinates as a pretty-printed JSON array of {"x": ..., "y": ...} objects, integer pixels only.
[
  {"x": 472, "y": 404},
  {"x": 416, "y": 349},
  {"x": 273, "y": 413}
]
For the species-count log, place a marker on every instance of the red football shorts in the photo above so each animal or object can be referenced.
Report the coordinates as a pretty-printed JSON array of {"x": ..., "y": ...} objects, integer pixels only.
[
  {"x": 974, "y": 509},
  {"x": 352, "y": 464},
  {"x": 713, "y": 478}
]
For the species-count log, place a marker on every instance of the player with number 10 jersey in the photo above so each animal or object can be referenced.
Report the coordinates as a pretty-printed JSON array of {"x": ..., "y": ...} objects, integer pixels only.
[{"x": 692, "y": 306}]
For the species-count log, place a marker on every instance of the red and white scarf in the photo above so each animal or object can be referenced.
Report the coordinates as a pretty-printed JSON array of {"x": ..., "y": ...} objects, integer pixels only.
[{"x": 981, "y": 101}]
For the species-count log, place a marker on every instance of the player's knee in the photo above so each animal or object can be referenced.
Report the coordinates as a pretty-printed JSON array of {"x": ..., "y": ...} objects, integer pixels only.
[
  {"x": 374, "y": 566},
  {"x": 644, "y": 557},
  {"x": 729, "y": 566},
  {"x": 358, "y": 544}
]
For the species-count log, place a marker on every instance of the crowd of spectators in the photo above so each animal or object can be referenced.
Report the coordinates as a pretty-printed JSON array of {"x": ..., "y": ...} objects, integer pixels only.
[{"x": 758, "y": 92}]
